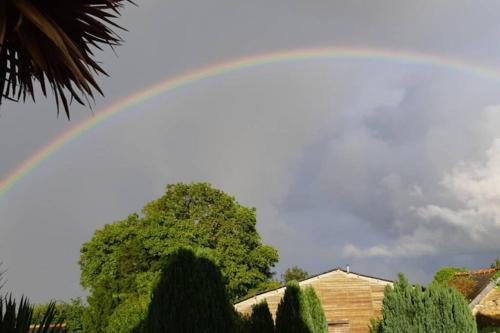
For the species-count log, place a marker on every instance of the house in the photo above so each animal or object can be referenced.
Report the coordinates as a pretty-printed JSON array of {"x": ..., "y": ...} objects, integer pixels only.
[
  {"x": 482, "y": 293},
  {"x": 350, "y": 300}
]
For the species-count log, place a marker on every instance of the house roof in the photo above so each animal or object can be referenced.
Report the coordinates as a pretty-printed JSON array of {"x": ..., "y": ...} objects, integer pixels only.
[
  {"x": 315, "y": 277},
  {"x": 486, "y": 271},
  {"x": 472, "y": 283},
  {"x": 486, "y": 290}
]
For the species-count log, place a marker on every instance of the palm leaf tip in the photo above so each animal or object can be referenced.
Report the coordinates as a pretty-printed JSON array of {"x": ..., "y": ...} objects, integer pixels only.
[{"x": 50, "y": 42}]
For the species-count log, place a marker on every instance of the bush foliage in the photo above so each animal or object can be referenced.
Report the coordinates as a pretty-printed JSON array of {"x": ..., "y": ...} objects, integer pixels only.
[
  {"x": 437, "y": 309},
  {"x": 72, "y": 314}
]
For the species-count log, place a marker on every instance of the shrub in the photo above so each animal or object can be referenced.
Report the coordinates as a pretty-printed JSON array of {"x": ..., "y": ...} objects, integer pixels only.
[
  {"x": 128, "y": 315},
  {"x": 437, "y": 309},
  {"x": 496, "y": 276},
  {"x": 449, "y": 309},
  {"x": 72, "y": 314},
  {"x": 189, "y": 298},
  {"x": 261, "y": 320},
  {"x": 319, "y": 323},
  {"x": 375, "y": 326},
  {"x": 242, "y": 323},
  {"x": 293, "y": 315},
  {"x": 445, "y": 274}
]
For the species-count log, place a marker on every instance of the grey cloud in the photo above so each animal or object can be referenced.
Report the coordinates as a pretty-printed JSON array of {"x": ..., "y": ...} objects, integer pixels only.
[
  {"x": 331, "y": 153},
  {"x": 466, "y": 220}
]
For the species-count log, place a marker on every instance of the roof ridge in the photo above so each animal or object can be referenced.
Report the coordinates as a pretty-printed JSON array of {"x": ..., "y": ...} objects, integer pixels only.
[
  {"x": 483, "y": 271},
  {"x": 338, "y": 268}
]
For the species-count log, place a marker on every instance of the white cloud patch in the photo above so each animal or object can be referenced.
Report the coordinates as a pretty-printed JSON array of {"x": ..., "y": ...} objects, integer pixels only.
[{"x": 468, "y": 220}]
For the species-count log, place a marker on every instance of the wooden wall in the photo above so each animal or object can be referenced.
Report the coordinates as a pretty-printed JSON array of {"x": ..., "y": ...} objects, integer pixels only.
[{"x": 349, "y": 300}]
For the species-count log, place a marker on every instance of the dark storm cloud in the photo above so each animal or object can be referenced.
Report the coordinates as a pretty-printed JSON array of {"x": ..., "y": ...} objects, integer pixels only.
[{"x": 346, "y": 162}]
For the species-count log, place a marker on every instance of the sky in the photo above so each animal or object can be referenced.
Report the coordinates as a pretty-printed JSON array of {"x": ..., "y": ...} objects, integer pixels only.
[{"x": 385, "y": 166}]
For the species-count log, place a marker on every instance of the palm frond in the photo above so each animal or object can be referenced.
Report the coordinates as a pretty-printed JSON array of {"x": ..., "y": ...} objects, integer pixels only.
[
  {"x": 2, "y": 272},
  {"x": 51, "y": 42},
  {"x": 17, "y": 318}
]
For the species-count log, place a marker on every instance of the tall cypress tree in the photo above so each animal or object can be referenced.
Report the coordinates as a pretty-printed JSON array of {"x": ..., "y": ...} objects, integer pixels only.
[
  {"x": 260, "y": 320},
  {"x": 318, "y": 318},
  {"x": 293, "y": 315},
  {"x": 398, "y": 312},
  {"x": 447, "y": 311},
  {"x": 189, "y": 298}
]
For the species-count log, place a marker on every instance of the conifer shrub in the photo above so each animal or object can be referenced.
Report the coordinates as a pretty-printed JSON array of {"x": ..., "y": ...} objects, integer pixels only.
[
  {"x": 242, "y": 323},
  {"x": 293, "y": 315},
  {"x": 437, "y": 309},
  {"x": 449, "y": 311},
  {"x": 318, "y": 318},
  {"x": 375, "y": 326},
  {"x": 189, "y": 298},
  {"x": 261, "y": 320}
]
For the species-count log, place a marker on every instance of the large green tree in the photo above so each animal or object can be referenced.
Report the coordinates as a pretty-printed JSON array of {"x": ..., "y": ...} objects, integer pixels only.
[{"x": 123, "y": 259}]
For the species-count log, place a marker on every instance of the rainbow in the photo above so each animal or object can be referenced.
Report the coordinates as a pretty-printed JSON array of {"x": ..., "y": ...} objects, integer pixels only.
[{"x": 175, "y": 82}]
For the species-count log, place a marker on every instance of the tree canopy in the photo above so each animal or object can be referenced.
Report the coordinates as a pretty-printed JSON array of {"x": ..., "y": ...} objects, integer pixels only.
[
  {"x": 123, "y": 259},
  {"x": 445, "y": 274},
  {"x": 294, "y": 273}
]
